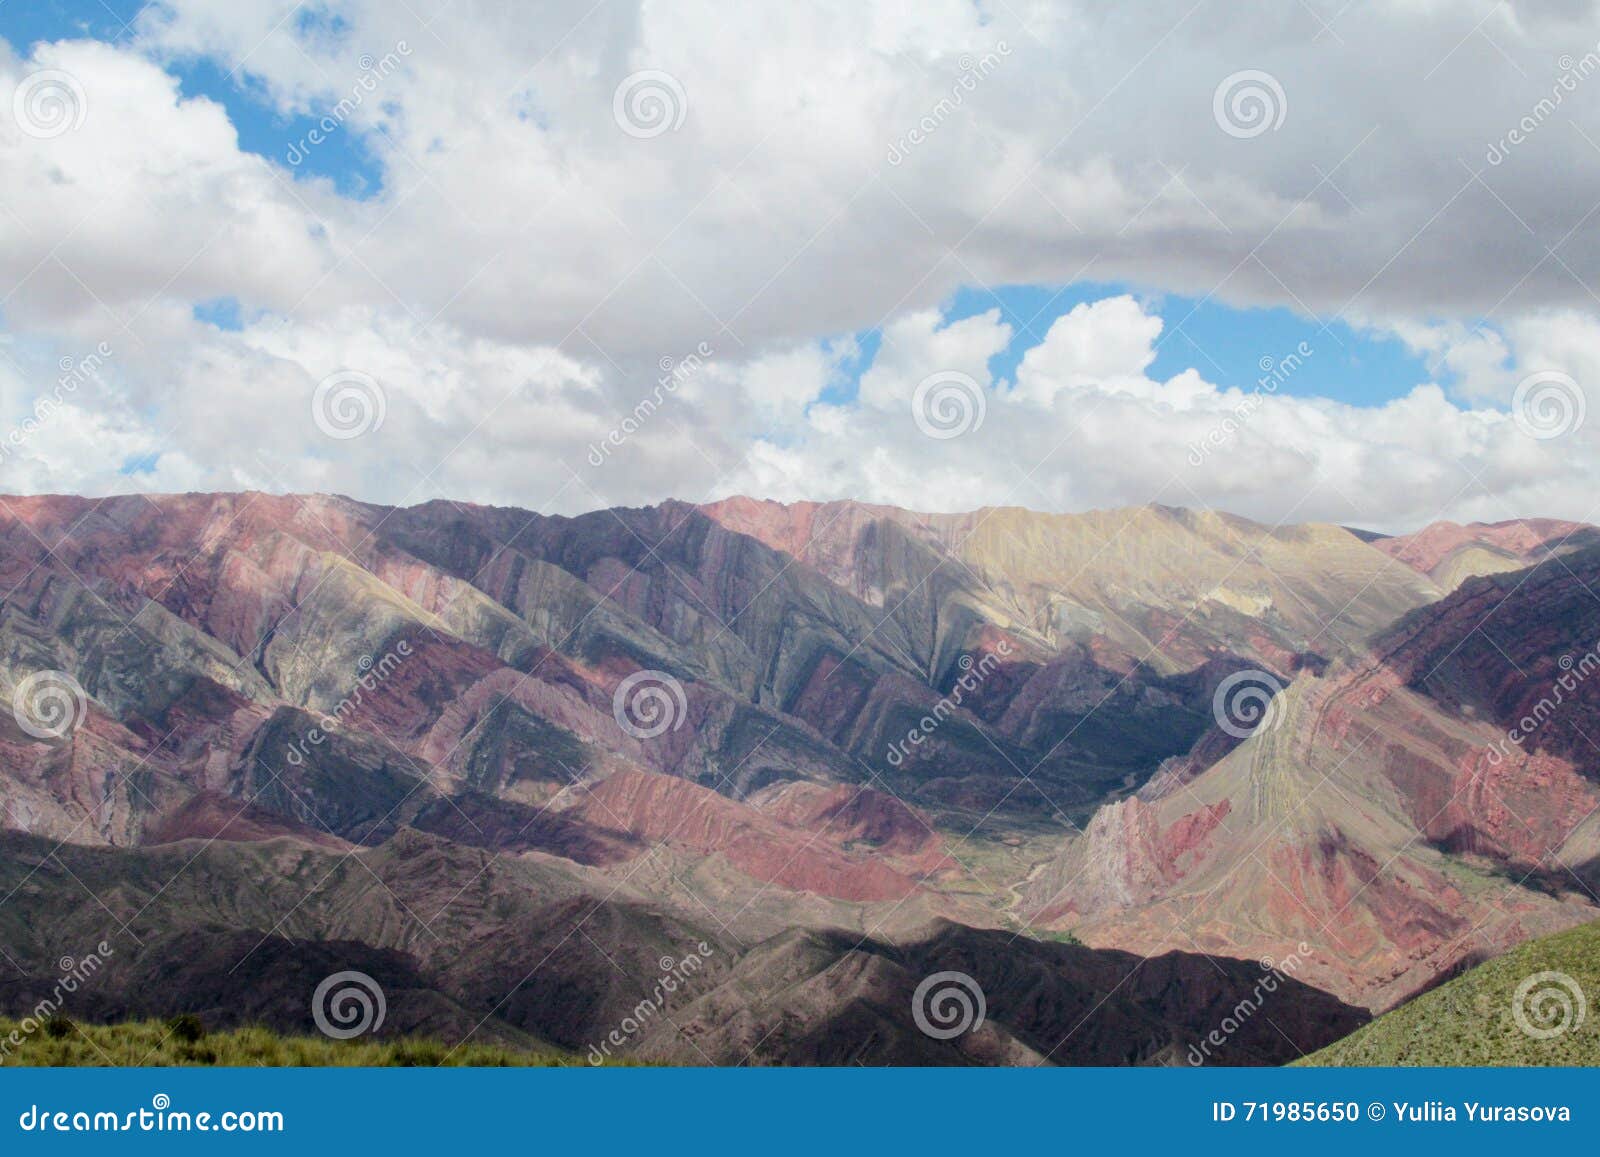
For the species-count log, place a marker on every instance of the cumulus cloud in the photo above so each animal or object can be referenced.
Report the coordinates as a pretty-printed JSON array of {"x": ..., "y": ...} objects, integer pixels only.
[
  {"x": 1084, "y": 426},
  {"x": 529, "y": 265},
  {"x": 1097, "y": 343},
  {"x": 149, "y": 200}
]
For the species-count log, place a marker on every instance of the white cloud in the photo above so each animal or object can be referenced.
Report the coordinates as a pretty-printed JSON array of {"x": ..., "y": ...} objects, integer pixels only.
[
  {"x": 1088, "y": 428},
  {"x": 918, "y": 344},
  {"x": 148, "y": 200},
  {"x": 1096, "y": 343},
  {"x": 527, "y": 263}
]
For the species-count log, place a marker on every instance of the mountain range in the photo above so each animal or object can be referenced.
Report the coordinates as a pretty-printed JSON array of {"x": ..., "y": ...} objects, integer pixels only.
[{"x": 1111, "y": 768}]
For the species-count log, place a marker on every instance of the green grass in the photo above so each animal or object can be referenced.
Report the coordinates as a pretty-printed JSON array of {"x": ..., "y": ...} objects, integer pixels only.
[
  {"x": 62, "y": 1042},
  {"x": 1470, "y": 1020},
  {"x": 1057, "y": 937}
]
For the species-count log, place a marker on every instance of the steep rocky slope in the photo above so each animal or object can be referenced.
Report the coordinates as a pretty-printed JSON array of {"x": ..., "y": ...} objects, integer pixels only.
[
  {"x": 1119, "y": 624},
  {"x": 1432, "y": 803},
  {"x": 1147, "y": 585},
  {"x": 456, "y": 732},
  {"x": 212, "y": 633}
]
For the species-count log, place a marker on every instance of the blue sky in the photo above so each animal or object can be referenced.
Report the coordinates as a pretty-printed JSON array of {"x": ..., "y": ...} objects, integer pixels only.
[
  {"x": 1224, "y": 344},
  {"x": 343, "y": 157}
]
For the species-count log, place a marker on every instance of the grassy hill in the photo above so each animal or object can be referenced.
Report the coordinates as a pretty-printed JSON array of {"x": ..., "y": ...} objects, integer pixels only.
[
  {"x": 1472, "y": 1020},
  {"x": 180, "y": 1042}
]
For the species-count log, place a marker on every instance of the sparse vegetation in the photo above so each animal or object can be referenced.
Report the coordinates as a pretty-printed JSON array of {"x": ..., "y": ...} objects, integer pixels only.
[
  {"x": 1472, "y": 1019},
  {"x": 184, "y": 1041},
  {"x": 1067, "y": 937}
]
